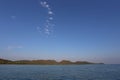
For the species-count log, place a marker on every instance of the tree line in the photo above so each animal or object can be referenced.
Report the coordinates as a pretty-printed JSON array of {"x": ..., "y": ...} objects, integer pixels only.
[{"x": 44, "y": 62}]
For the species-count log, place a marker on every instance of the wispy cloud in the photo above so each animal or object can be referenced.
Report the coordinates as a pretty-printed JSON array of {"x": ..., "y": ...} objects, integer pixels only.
[
  {"x": 51, "y": 18},
  {"x": 47, "y": 31},
  {"x": 38, "y": 29},
  {"x": 49, "y": 21},
  {"x": 13, "y": 17},
  {"x": 50, "y": 12},
  {"x": 14, "y": 47}
]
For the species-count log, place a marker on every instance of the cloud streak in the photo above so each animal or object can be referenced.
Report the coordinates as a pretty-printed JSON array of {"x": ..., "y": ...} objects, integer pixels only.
[
  {"x": 14, "y": 47},
  {"x": 38, "y": 29},
  {"x": 13, "y": 17},
  {"x": 47, "y": 29}
]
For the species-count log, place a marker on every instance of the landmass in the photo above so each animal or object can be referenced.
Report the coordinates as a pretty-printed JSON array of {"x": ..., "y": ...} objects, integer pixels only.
[{"x": 45, "y": 62}]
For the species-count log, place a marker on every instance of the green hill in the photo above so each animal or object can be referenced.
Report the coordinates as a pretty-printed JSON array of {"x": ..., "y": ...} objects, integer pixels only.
[
  {"x": 3, "y": 61},
  {"x": 44, "y": 62}
]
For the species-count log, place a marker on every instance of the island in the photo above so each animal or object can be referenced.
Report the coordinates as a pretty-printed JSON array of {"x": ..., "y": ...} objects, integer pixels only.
[{"x": 45, "y": 62}]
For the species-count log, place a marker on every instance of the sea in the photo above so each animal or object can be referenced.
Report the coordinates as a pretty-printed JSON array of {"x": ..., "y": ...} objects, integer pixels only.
[{"x": 60, "y": 72}]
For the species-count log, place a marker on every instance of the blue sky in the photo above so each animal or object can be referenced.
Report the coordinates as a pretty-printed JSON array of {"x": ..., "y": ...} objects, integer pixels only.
[{"x": 87, "y": 30}]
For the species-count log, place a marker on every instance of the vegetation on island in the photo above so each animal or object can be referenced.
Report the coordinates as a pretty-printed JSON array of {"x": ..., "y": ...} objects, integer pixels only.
[{"x": 44, "y": 62}]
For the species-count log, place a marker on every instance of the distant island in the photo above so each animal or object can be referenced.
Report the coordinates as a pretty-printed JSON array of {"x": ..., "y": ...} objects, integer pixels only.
[{"x": 45, "y": 62}]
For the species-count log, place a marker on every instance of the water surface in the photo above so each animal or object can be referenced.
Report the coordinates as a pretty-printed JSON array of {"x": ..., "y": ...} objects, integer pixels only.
[{"x": 60, "y": 72}]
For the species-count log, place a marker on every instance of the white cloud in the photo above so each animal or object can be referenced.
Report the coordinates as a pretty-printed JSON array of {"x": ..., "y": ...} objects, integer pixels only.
[
  {"x": 47, "y": 21},
  {"x": 47, "y": 31},
  {"x": 13, "y": 17},
  {"x": 47, "y": 6},
  {"x": 9, "y": 47},
  {"x": 51, "y": 18},
  {"x": 19, "y": 47},
  {"x": 14, "y": 47},
  {"x": 47, "y": 28},
  {"x": 44, "y": 2},
  {"x": 50, "y": 12},
  {"x": 38, "y": 29}
]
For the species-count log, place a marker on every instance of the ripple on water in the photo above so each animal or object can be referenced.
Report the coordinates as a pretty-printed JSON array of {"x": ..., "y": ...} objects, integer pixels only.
[{"x": 65, "y": 72}]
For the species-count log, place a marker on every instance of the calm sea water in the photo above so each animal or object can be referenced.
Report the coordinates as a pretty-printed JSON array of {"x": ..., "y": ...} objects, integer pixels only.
[{"x": 59, "y": 72}]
